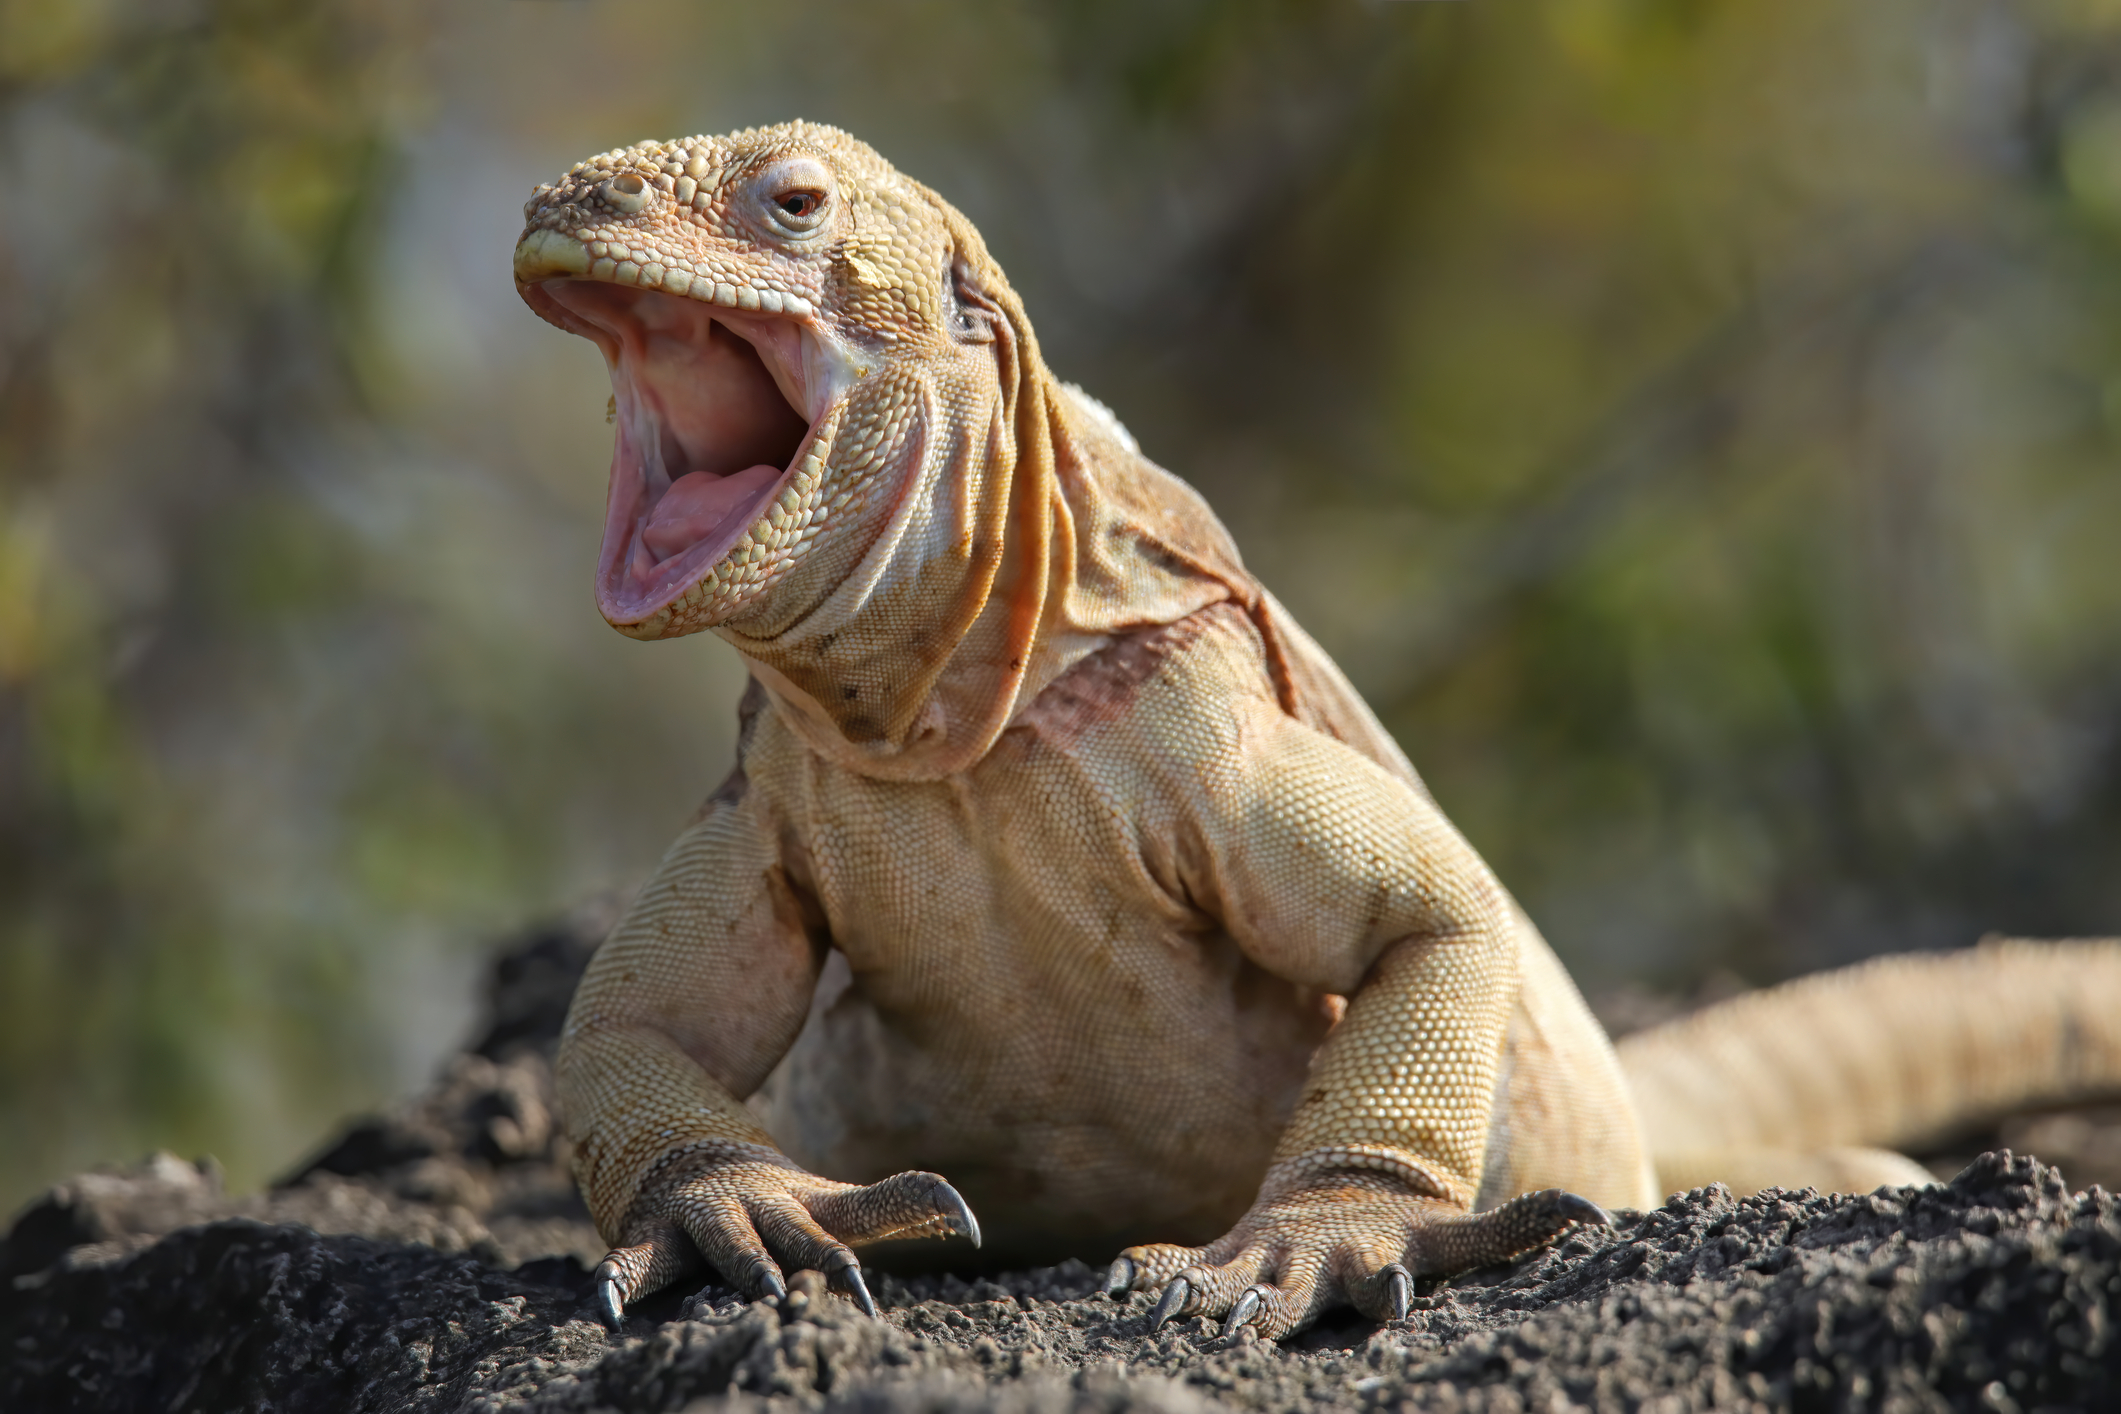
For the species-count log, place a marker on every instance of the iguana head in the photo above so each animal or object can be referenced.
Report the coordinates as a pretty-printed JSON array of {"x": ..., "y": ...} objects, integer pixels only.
[
  {"x": 838, "y": 448},
  {"x": 790, "y": 326}
]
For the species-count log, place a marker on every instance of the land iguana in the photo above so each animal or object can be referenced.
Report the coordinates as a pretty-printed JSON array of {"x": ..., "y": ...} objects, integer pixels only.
[{"x": 1059, "y": 860}]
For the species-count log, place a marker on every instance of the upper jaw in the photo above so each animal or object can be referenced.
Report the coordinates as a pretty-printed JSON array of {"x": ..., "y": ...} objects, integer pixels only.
[
  {"x": 545, "y": 253},
  {"x": 754, "y": 419}
]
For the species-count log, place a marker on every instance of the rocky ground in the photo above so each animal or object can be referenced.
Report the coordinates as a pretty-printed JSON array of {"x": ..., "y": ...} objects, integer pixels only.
[{"x": 437, "y": 1259}]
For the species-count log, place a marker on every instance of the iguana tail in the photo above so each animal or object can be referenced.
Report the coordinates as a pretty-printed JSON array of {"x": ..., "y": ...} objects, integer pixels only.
[{"x": 1813, "y": 1082}]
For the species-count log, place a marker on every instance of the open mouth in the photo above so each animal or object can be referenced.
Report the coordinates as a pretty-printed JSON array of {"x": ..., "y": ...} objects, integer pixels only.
[{"x": 716, "y": 410}]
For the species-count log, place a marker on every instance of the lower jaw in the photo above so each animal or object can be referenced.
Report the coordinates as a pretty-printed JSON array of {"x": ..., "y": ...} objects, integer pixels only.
[
  {"x": 719, "y": 574},
  {"x": 649, "y": 611}
]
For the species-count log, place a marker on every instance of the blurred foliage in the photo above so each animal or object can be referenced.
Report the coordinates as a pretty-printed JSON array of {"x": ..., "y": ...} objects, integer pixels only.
[{"x": 1693, "y": 424}]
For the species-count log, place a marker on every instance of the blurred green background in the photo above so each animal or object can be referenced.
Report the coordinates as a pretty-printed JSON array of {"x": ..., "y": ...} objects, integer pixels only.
[{"x": 1693, "y": 424}]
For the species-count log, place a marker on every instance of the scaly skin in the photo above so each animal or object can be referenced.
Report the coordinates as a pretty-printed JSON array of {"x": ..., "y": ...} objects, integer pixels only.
[
  {"x": 1798, "y": 1085},
  {"x": 1056, "y": 857}
]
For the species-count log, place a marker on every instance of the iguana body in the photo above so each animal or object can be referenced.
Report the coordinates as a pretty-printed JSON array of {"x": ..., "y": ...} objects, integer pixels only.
[{"x": 1056, "y": 859}]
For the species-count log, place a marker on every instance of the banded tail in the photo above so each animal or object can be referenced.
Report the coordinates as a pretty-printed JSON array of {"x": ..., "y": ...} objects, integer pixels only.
[{"x": 1816, "y": 1082}]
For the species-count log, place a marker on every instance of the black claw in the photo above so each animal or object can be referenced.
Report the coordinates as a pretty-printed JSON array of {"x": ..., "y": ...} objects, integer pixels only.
[
  {"x": 1120, "y": 1279},
  {"x": 853, "y": 1277},
  {"x": 1402, "y": 1291},
  {"x": 609, "y": 1304},
  {"x": 1167, "y": 1305},
  {"x": 961, "y": 1219},
  {"x": 1581, "y": 1210},
  {"x": 771, "y": 1287},
  {"x": 1246, "y": 1308}
]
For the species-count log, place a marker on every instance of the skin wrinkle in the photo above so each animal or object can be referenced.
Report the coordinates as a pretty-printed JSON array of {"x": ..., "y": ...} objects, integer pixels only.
[{"x": 1057, "y": 859}]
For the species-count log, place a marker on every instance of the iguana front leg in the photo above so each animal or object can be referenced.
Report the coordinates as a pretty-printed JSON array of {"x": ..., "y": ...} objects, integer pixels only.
[
  {"x": 1332, "y": 873},
  {"x": 695, "y": 998}
]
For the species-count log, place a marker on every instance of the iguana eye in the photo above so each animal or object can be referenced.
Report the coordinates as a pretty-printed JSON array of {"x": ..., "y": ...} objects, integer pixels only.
[{"x": 795, "y": 195}]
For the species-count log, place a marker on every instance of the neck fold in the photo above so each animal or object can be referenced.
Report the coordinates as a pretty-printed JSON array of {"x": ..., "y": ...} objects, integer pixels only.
[{"x": 1021, "y": 542}]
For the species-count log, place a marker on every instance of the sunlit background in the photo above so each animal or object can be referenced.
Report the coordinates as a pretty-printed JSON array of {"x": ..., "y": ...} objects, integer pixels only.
[{"x": 1693, "y": 423}]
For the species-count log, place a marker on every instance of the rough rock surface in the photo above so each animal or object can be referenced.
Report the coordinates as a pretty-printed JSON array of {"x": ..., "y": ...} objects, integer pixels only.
[{"x": 436, "y": 1259}]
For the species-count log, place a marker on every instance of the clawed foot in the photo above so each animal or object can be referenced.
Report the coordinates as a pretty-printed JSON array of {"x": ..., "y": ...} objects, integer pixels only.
[
  {"x": 1355, "y": 1239},
  {"x": 754, "y": 1216}
]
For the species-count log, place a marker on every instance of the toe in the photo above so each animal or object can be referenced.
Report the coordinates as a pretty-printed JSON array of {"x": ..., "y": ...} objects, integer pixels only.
[
  {"x": 1294, "y": 1299},
  {"x": 1213, "y": 1291},
  {"x": 1217, "y": 1289},
  {"x": 913, "y": 1204},
  {"x": 659, "y": 1254},
  {"x": 1151, "y": 1267},
  {"x": 1383, "y": 1292},
  {"x": 1477, "y": 1239},
  {"x": 724, "y": 1232},
  {"x": 1242, "y": 1313},
  {"x": 798, "y": 1239},
  {"x": 1374, "y": 1279},
  {"x": 1272, "y": 1310},
  {"x": 801, "y": 1241}
]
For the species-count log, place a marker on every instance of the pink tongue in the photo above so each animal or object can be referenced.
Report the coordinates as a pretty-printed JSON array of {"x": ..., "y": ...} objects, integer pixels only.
[{"x": 697, "y": 504}]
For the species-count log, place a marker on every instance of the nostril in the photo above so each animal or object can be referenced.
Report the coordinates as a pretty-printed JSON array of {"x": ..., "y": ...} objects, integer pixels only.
[{"x": 627, "y": 191}]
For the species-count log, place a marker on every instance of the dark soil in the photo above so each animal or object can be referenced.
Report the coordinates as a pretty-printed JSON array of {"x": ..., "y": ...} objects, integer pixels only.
[{"x": 437, "y": 1259}]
